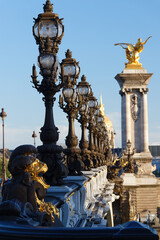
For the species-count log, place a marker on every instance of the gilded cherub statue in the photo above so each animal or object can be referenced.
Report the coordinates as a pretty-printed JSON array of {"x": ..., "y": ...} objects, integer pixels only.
[{"x": 133, "y": 50}]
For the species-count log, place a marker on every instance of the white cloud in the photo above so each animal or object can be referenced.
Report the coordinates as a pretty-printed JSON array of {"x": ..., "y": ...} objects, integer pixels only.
[{"x": 18, "y": 136}]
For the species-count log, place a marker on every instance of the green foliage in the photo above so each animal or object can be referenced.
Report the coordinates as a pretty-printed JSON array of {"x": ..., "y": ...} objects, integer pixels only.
[{"x": 8, "y": 175}]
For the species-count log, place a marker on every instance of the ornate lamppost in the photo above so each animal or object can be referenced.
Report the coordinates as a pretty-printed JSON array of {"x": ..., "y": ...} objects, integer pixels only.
[
  {"x": 94, "y": 152},
  {"x": 34, "y": 135},
  {"x": 84, "y": 91},
  {"x": 130, "y": 167},
  {"x": 95, "y": 158},
  {"x": 104, "y": 142},
  {"x": 48, "y": 31},
  {"x": 3, "y": 115},
  {"x": 70, "y": 71},
  {"x": 96, "y": 114},
  {"x": 100, "y": 137},
  {"x": 91, "y": 126}
]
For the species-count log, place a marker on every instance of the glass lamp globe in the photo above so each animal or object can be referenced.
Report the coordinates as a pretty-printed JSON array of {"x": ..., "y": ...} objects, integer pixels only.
[
  {"x": 69, "y": 67},
  {"x": 48, "y": 24},
  {"x": 68, "y": 94},
  {"x": 84, "y": 108},
  {"x": 83, "y": 87},
  {"x": 44, "y": 29},
  {"x": 3, "y": 114},
  {"x": 46, "y": 63},
  {"x": 96, "y": 112},
  {"x": 100, "y": 119},
  {"x": 56, "y": 69},
  {"x": 92, "y": 103}
]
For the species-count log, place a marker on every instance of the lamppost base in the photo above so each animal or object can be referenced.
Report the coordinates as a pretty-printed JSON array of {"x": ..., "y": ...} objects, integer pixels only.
[
  {"x": 94, "y": 159},
  {"x": 53, "y": 156},
  {"x": 86, "y": 158},
  {"x": 74, "y": 161}
]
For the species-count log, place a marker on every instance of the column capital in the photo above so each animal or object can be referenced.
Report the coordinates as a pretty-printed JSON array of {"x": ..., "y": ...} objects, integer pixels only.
[
  {"x": 125, "y": 91},
  {"x": 144, "y": 90}
]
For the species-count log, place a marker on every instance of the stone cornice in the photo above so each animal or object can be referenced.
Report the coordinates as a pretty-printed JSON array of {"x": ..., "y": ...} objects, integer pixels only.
[{"x": 133, "y": 80}]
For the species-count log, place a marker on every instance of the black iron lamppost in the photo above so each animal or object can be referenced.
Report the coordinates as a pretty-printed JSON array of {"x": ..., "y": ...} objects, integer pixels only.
[
  {"x": 104, "y": 141},
  {"x": 92, "y": 103},
  {"x": 3, "y": 115},
  {"x": 106, "y": 146},
  {"x": 96, "y": 160},
  {"x": 48, "y": 31},
  {"x": 34, "y": 135},
  {"x": 100, "y": 135},
  {"x": 84, "y": 89},
  {"x": 91, "y": 126},
  {"x": 96, "y": 114},
  {"x": 100, "y": 138},
  {"x": 70, "y": 71}
]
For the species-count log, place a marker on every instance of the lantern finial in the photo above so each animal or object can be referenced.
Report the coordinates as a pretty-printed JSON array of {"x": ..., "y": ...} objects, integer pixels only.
[
  {"x": 83, "y": 78},
  {"x": 68, "y": 54},
  {"x": 48, "y": 7}
]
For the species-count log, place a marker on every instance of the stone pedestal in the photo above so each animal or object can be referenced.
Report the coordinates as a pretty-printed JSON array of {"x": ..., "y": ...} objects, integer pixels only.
[{"x": 141, "y": 194}]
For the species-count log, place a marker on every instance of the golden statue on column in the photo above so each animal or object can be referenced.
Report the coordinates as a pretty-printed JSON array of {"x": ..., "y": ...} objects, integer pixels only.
[{"x": 132, "y": 52}]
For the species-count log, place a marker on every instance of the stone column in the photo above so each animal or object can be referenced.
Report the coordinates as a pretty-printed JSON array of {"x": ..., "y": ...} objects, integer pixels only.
[
  {"x": 126, "y": 116},
  {"x": 144, "y": 140},
  {"x": 134, "y": 83}
]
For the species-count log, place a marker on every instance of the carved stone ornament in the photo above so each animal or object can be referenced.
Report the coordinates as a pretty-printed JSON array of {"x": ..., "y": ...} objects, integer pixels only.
[
  {"x": 134, "y": 106},
  {"x": 23, "y": 195}
]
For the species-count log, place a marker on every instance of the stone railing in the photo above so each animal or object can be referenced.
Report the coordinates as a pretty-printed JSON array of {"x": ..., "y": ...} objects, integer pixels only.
[{"x": 84, "y": 200}]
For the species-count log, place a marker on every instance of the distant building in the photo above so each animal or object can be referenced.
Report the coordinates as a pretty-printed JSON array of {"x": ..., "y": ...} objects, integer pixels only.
[
  {"x": 155, "y": 150},
  {"x": 108, "y": 125}
]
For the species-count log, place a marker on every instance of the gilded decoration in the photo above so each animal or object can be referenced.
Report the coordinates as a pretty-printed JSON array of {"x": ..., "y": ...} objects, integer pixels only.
[
  {"x": 35, "y": 168},
  {"x": 132, "y": 52}
]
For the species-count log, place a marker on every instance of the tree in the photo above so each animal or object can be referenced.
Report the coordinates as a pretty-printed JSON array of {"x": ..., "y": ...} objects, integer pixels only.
[{"x": 8, "y": 175}]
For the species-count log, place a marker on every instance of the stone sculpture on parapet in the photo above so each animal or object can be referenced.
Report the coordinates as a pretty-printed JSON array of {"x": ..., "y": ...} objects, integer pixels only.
[
  {"x": 23, "y": 195},
  {"x": 132, "y": 52}
]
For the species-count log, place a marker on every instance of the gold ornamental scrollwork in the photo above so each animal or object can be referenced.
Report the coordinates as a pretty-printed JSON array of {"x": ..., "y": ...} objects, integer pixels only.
[
  {"x": 35, "y": 169},
  {"x": 68, "y": 200}
]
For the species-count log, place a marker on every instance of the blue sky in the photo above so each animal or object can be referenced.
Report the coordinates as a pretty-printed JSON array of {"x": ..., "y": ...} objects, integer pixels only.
[{"x": 91, "y": 29}]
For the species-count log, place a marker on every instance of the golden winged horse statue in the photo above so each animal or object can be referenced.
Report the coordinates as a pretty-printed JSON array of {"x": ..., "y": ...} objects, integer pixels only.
[{"x": 133, "y": 50}]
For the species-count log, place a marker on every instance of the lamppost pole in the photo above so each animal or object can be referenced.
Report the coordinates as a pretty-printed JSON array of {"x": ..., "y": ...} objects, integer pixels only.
[{"x": 3, "y": 115}]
